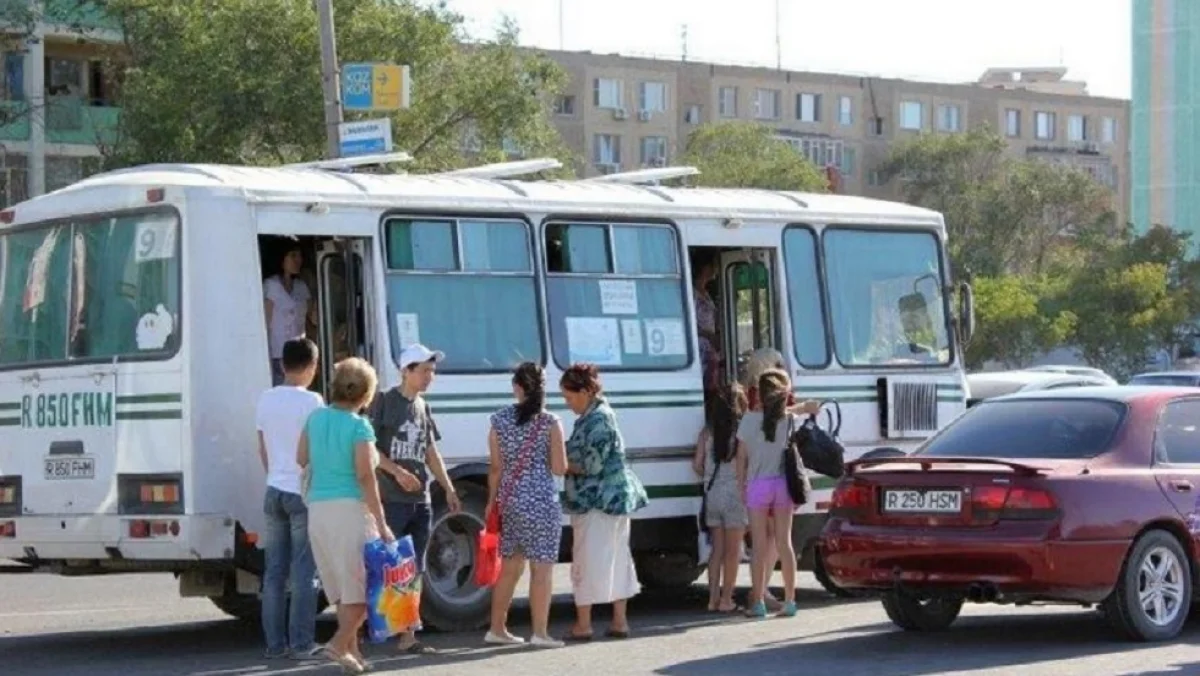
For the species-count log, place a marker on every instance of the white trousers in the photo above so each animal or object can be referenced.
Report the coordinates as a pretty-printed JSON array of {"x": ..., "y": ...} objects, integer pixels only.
[{"x": 601, "y": 564}]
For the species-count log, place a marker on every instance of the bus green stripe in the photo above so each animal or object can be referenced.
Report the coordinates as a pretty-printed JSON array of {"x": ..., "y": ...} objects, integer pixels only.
[
  {"x": 163, "y": 398},
  {"x": 176, "y": 414}
]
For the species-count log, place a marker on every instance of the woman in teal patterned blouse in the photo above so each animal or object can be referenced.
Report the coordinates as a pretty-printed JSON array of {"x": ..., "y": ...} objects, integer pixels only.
[{"x": 601, "y": 494}]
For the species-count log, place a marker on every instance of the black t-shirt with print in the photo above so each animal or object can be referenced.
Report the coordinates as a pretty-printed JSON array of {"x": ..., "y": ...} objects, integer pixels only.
[{"x": 404, "y": 428}]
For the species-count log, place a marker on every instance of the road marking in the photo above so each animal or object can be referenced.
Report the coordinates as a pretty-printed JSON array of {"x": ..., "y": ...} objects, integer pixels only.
[{"x": 77, "y": 611}]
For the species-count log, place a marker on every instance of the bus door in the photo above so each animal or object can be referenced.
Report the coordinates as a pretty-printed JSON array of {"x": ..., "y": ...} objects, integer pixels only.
[
  {"x": 748, "y": 307},
  {"x": 345, "y": 319}
]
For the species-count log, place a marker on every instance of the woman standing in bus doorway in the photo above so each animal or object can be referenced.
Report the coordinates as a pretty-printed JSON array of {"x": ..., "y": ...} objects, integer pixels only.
[
  {"x": 287, "y": 303},
  {"x": 527, "y": 452},
  {"x": 704, "y": 271},
  {"x": 601, "y": 495},
  {"x": 344, "y": 510}
]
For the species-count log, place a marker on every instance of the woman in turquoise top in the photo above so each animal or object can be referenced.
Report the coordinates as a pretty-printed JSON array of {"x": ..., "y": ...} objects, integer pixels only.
[
  {"x": 337, "y": 452},
  {"x": 601, "y": 494}
]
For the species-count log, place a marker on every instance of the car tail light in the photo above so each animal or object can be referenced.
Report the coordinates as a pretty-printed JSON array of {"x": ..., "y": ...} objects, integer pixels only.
[
  {"x": 849, "y": 499},
  {"x": 10, "y": 496},
  {"x": 1010, "y": 503},
  {"x": 150, "y": 493}
]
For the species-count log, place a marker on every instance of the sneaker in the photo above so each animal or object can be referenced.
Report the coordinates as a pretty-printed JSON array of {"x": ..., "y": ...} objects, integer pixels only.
[
  {"x": 502, "y": 639},
  {"x": 545, "y": 642},
  {"x": 311, "y": 653},
  {"x": 788, "y": 610},
  {"x": 275, "y": 654},
  {"x": 757, "y": 610}
]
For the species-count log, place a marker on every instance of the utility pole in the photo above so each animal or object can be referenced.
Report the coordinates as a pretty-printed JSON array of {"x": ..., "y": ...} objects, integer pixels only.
[{"x": 329, "y": 78}]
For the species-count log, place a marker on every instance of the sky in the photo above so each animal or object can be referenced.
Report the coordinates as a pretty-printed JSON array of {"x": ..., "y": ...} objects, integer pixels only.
[{"x": 934, "y": 40}]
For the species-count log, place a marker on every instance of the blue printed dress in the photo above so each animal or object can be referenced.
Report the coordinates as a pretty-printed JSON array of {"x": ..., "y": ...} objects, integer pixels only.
[{"x": 530, "y": 516}]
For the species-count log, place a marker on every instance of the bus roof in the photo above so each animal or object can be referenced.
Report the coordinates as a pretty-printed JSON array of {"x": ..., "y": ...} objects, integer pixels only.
[{"x": 290, "y": 185}]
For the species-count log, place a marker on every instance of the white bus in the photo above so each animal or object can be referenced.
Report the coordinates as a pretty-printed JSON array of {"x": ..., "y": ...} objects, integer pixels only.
[{"x": 133, "y": 344}]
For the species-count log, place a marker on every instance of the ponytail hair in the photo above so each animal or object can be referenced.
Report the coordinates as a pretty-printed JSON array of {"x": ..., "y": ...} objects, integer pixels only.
[
  {"x": 532, "y": 380},
  {"x": 728, "y": 406},
  {"x": 774, "y": 389}
]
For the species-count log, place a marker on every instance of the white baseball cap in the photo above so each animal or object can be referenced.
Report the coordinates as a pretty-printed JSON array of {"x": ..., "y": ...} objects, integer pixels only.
[{"x": 418, "y": 354}]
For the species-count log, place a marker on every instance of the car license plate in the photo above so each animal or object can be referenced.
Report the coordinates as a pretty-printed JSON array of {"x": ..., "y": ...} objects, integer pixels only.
[
  {"x": 75, "y": 467},
  {"x": 931, "y": 501}
]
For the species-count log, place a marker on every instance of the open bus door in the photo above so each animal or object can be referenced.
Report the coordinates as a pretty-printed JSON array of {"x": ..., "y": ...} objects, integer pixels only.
[{"x": 747, "y": 307}]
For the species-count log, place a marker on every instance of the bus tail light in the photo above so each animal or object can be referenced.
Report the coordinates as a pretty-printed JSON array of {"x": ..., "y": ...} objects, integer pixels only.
[
  {"x": 10, "y": 496},
  {"x": 150, "y": 493},
  {"x": 141, "y": 529},
  {"x": 8, "y": 529},
  {"x": 155, "y": 195},
  {"x": 8, "y": 216}
]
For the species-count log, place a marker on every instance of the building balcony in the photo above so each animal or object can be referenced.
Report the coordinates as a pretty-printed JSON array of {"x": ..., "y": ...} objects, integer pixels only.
[
  {"x": 79, "y": 16},
  {"x": 68, "y": 121}
]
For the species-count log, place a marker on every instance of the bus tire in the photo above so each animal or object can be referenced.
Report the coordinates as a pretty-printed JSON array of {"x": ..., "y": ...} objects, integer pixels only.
[
  {"x": 451, "y": 601},
  {"x": 667, "y": 571},
  {"x": 248, "y": 607}
]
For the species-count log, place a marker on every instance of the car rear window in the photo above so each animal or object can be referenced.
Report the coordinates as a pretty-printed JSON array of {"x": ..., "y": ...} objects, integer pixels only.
[
  {"x": 1187, "y": 381},
  {"x": 1030, "y": 428}
]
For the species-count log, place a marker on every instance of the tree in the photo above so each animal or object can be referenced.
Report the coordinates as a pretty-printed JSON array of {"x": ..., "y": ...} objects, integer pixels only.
[
  {"x": 1003, "y": 214},
  {"x": 1018, "y": 318},
  {"x": 748, "y": 155},
  {"x": 239, "y": 81},
  {"x": 1134, "y": 294}
]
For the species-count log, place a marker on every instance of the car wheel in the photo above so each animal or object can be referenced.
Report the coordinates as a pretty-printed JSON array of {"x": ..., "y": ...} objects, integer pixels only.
[
  {"x": 911, "y": 613},
  {"x": 1154, "y": 591}
]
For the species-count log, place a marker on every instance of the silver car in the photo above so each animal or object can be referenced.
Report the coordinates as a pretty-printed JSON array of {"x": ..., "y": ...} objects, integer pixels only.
[{"x": 986, "y": 385}]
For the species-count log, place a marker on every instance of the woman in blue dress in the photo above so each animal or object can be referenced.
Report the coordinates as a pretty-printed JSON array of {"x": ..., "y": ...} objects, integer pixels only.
[{"x": 527, "y": 452}]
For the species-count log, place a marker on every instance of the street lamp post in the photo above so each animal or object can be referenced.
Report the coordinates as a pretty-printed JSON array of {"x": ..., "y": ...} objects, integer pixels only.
[{"x": 329, "y": 78}]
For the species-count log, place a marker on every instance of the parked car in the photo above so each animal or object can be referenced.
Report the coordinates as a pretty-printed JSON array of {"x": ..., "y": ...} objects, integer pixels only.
[
  {"x": 1078, "y": 496},
  {"x": 1172, "y": 378},
  {"x": 1075, "y": 371},
  {"x": 981, "y": 386}
]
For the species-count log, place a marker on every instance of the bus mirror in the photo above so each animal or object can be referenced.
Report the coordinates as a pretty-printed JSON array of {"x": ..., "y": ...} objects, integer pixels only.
[{"x": 966, "y": 312}]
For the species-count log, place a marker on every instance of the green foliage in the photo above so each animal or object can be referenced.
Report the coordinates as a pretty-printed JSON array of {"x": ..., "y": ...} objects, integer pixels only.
[
  {"x": 1003, "y": 214},
  {"x": 1018, "y": 318},
  {"x": 747, "y": 155},
  {"x": 239, "y": 81}
]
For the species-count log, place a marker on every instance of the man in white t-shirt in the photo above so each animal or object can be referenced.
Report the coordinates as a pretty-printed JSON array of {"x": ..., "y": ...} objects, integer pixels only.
[
  {"x": 282, "y": 412},
  {"x": 288, "y": 303}
]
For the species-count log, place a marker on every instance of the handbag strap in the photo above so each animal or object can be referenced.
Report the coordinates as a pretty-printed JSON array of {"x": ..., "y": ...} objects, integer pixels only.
[
  {"x": 523, "y": 457},
  {"x": 716, "y": 465}
]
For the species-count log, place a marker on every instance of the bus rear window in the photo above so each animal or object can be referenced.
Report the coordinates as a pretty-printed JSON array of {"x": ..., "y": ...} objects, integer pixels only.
[
  {"x": 90, "y": 289},
  {"x": 615, "y": 296}
]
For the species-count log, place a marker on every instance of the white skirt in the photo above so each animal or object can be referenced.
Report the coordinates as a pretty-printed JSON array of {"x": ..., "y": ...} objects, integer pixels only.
[{"x": 601, "y": 564}]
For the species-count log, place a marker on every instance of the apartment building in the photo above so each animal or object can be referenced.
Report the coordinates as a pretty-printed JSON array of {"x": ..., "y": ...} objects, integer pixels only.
[
  {"x": 57, "y": 109},
  {"x": 622, "y": 113}
]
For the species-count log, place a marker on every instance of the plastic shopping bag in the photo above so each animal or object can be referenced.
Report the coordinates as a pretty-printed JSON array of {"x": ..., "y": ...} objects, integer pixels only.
[
  {"x": 393, "y": 588},
  {"x": 487, "y": 551}
]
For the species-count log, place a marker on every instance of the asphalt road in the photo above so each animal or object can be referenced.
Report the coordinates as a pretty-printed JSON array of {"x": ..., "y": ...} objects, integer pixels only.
[{"x": 135, "y": 625}]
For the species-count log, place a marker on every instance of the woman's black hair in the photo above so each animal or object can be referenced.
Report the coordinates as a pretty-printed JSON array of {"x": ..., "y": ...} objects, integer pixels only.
[
  {"x": 728, "y": 406},
  {"x": 773, "y": 391},
  {"x": 532, "y": 380}
]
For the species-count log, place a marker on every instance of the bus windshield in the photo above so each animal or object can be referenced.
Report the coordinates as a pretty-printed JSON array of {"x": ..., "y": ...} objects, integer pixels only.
[
  {"x": 89, "y": 289},
  {"x": 885, "y": 297}
]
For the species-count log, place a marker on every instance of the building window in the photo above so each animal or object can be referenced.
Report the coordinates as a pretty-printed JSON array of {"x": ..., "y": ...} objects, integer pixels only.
[
  {"x": 64, "y": 77},
  {"x": 821, "y": 152},
  {"x": 1012, "y": 123},
  {"x": 652, "y": 96},
  {"x": 608, "y": 93},
  {"x": 849, "y": 162},
  {"x": 875, "y": 178},
  {"x": 692, "y": 115},
  {"x": 606, "y": 150},
  {"x": 728, "y": 103},
  {"x": 1077, "y": 128},
  {"x": 876, "y": 126},
  {"x": 614, "y": 296},
  {"x": 845, "y": 110},
  {"x": 1108, "y": 130},
  {"x": 1044, "y": 124},
  {"x": 808, "y": 107},
  {"x": 766, "y": 104},
  {"x": 911, "y": 115},
  {"x": 564, "y": 105},
  {"x": 948, "y": 117},
  {"x": 14, "y": 76},
  {"x": 654, "y": 151}
]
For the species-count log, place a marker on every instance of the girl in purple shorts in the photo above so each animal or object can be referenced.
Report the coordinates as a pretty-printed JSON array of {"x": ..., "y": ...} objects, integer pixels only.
[{"x": 762, "y": 433}]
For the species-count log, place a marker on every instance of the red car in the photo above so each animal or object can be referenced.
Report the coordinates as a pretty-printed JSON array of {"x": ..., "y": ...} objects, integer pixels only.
[{"x": 1081, "y": 496}]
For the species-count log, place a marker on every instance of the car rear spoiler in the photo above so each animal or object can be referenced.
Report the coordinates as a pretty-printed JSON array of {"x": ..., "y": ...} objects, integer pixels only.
[{"x": 928, "y": 463}]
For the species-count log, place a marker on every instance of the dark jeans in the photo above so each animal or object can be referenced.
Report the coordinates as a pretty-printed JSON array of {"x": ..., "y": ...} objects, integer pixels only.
[
  {"x": 289, "y": 566},
  {"x": 414, "y": 519}
]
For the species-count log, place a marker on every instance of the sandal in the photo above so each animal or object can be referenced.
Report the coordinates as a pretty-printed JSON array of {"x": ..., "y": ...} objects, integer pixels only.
[
  {"x": 758, "y": 610},
  {"x": 346, "y": 661},
  {"x": 418, "y": 648},
  {"x": 617, "y": 633},
  {"x": 572, "y": 637}
]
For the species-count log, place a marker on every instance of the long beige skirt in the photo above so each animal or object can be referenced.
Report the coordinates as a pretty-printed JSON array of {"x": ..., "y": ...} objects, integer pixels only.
[
  {"x": 601, "y": 564},
  {"x": 337, "y": 531}
]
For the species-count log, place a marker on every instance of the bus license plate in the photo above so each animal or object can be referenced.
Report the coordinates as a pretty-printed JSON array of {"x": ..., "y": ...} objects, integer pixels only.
[
  {"x": 936, "y": 502},
  {"x": 77, "y": 467}
]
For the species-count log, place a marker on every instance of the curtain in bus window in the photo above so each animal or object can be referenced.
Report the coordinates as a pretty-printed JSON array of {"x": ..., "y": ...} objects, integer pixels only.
[
  {"x": 33, "y": 308},
  {"x": 644, "y": 251},
  {"x": 481, "y": 322},
  {"x": 129, "y": 268},
  {"x": 421, "y": 245}
]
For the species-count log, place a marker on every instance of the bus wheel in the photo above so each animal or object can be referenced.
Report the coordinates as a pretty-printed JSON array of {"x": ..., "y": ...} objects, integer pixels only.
[
  {"x": 451, "y": 600},
  {"x": 667, "y": 571},
  {"x": 248, "y": 607}
]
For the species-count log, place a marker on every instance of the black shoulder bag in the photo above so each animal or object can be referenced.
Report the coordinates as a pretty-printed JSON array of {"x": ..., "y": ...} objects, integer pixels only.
[
  {"x": 793, "y": 469},
  {"x": 820, "y": 449}
]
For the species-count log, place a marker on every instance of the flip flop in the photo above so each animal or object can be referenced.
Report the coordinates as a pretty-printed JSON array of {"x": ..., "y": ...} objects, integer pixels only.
[
  {"x": 419, "y": 648},
  {"x": 572, "y": 637},
  {"x": 617, "y": 633}
]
